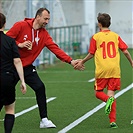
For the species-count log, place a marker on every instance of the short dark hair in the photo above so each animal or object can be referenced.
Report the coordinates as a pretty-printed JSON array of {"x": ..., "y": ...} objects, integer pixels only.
[
  {"x": 2, "y": 20},
  {"x": 104, "y": 19},
  {"x": 39, "y": 11}
]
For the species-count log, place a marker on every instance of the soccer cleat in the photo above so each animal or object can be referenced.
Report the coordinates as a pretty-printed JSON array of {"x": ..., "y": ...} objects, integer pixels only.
[
  {"x": 47, "y": 124},
  {"x": 109, "y": 105},
  {"x": 113, "y": 125}
]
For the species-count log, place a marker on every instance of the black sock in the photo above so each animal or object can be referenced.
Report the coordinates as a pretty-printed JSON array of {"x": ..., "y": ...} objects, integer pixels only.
[{"x": 9, "y": 122}]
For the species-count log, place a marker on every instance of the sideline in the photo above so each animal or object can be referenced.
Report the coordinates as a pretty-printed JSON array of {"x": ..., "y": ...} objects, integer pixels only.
[
  {"x": 91, "y": 80},
  {"x": 33, "y": 107},
  {"x": 88, "y": 114}
]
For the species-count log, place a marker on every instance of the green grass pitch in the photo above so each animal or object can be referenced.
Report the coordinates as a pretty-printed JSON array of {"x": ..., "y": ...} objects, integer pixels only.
[{"x": 74, "y": 98}]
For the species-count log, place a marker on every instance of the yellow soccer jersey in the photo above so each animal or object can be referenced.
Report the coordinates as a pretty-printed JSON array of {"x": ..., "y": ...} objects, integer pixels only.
[{"x": 105, "y": 46}]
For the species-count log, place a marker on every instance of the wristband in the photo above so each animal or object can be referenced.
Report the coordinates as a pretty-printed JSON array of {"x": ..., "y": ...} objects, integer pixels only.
[{"x": 70, "y": 62}]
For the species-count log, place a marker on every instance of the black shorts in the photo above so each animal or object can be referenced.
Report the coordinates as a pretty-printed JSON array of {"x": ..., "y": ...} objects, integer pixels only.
[{"x": 7, "y": 88}]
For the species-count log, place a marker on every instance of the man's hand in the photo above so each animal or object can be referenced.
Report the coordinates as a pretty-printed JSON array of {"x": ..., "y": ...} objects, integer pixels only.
[
  {"x": 79, "y": 65},
  {"x": 26, "y": 44},
  {"x": 75, "y": 63}
]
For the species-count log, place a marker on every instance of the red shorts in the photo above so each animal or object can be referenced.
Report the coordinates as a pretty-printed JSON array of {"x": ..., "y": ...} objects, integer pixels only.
[{"x": 109, "y": 83}]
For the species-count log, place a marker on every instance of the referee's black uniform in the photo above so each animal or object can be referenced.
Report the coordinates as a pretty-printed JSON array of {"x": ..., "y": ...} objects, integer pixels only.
[
  {"x": 8, "y": 73},
  {"x": 9, "y": 76}
]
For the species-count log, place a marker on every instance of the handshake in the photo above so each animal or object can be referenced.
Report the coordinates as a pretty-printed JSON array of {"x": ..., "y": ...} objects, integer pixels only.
[{"x": 78, "y": 64}]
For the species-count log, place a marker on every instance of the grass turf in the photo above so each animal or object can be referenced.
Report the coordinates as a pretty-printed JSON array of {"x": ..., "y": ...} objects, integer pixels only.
[{"x": 74, "y": 98}]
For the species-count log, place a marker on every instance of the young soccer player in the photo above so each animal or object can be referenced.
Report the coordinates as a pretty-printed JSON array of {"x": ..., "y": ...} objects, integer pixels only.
[{"x": 104, "y": 47}]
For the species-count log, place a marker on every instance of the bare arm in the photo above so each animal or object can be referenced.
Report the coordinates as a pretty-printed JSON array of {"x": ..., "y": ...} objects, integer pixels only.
[
  {"x": 88, "y": 57},
  {"x": 81, "y": 62},
  {"x": 19, "y": 68},
  {"x": 128, "y": 56}
]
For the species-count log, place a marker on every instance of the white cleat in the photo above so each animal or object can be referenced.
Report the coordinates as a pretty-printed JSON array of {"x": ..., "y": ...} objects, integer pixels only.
[{"x": 47, "y": 124}]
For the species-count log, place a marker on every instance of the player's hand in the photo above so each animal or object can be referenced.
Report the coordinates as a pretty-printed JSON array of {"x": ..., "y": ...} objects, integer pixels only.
[
  {"x": 74, "y": 62},
  {"x": 26, "y": 44},
  {"x": 79, "y": 65},
  {"x": 23, "y": 87}
]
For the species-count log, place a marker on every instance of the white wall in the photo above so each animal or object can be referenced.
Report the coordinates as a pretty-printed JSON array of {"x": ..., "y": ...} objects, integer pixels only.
[
  {"x": 121, "y": 17},
  {"x": 73, "y": 11},
  {"x": 90, "y": 28},
  {"x": 16, "y": 10}
]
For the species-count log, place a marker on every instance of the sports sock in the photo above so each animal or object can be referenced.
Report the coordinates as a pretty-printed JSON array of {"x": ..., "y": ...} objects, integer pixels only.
[
  {"x": 9, "y": 122},
  {"x": 102, "y": 96},
  {"x": 112, "y": 115},
  {"x": 45, "y": 119}
]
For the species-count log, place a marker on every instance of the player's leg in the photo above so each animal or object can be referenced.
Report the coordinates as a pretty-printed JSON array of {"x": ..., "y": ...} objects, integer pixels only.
[
  {"x": 101, "y": 95},
  {"x": 112, "y": 115},
  {"x": 109, "y": 102},
  {"x": 34, "y": 81},
  {"x": 113, "y": 85},
  {"x": 100, "y": 84},
  {"x": 9, "y": 117},
  {"x": 8, "y": 99}
]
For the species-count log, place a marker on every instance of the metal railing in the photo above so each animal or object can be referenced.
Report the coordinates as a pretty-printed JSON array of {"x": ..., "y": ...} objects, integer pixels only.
[{"x": 69, "y": 40}]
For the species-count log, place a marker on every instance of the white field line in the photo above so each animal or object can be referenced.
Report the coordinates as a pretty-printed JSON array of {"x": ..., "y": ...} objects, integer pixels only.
[
  {"x": 25, "y": 98},
  {"x": 91, "y": 80},
  {"x": 131, "y": 121},
  {"x": 33, "y": 107},
  {"x": 29, "y": 109},
  {"x": 65, "y": 81},
  {"x": 85, "y": 71},
  {"x": 88, "y": 114}
]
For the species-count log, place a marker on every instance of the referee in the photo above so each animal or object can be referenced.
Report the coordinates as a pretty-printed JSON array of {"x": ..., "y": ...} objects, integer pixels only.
[{"x": 10, "y": 65}]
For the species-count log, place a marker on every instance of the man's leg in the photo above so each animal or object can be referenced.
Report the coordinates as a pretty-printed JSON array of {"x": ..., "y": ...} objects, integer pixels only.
[
  {"x": 33, "y": 80},
  {"x": 37, "y": 85}
]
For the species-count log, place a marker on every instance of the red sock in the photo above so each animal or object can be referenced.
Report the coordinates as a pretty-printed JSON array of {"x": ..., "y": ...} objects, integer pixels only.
[
  {"x": 102, "y": 96},
  {"x": 112, "y": 115}
]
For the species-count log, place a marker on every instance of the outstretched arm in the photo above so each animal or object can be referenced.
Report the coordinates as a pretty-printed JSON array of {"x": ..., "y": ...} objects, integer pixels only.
[
  {"x": 79, "y": 65},
  {"x": 128, "y": 56}
]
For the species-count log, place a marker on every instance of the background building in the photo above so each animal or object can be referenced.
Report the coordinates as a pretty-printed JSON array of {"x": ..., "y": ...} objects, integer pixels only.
[
  {"x": 75, "y": 12},
  {"x": 72, "y": 13}
]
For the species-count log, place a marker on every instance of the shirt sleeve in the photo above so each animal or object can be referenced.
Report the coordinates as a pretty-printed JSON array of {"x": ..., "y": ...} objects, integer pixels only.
[
  {"x": 122, "y": 45},
  {"x": 14, "y": 31},
  {"x": 92, "y": 47},
  {"x": 54, "y": 48},
  {"x": 15, "y": 49}
]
